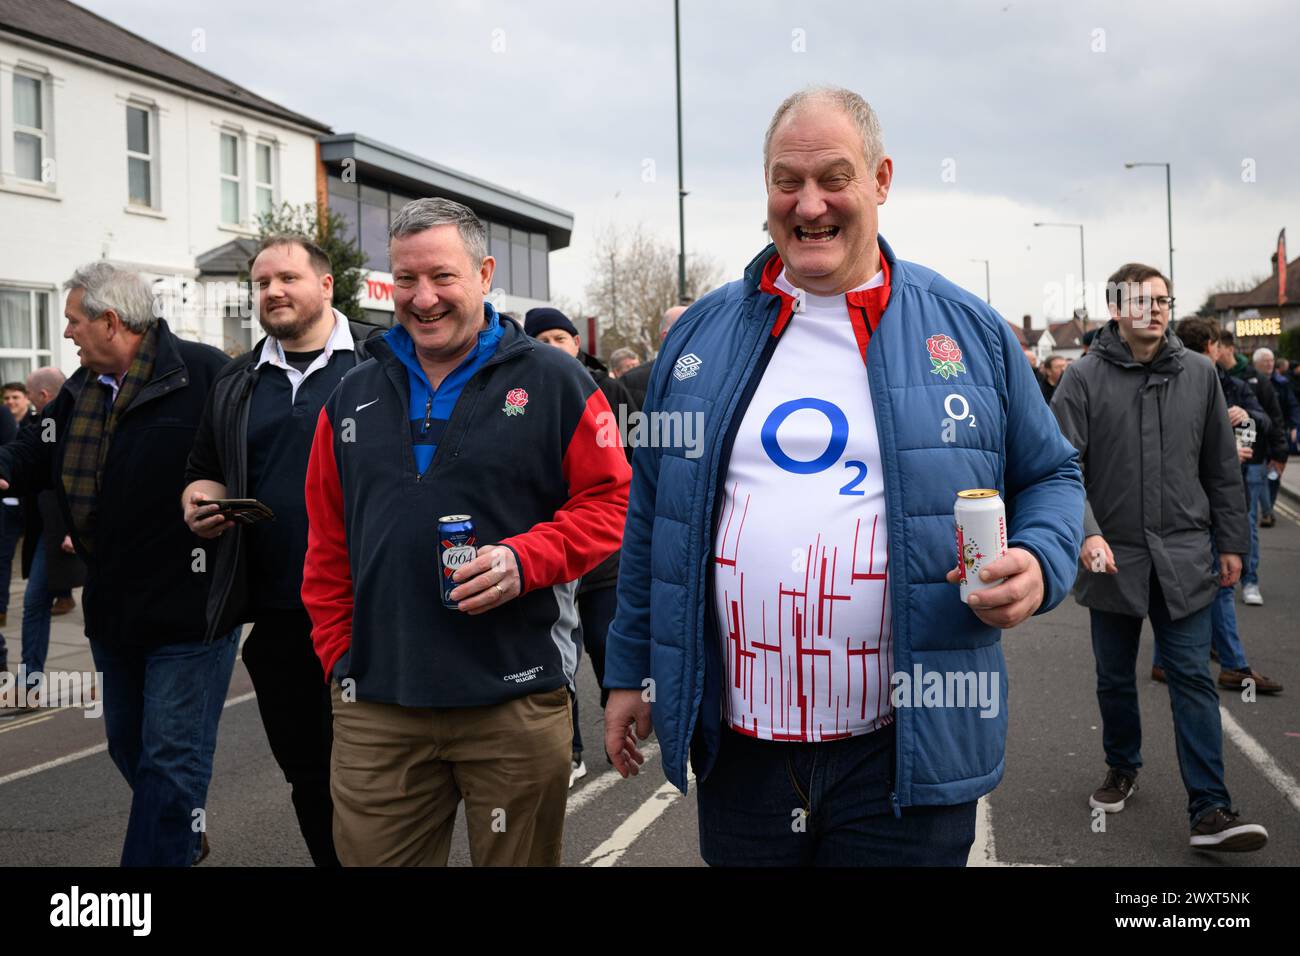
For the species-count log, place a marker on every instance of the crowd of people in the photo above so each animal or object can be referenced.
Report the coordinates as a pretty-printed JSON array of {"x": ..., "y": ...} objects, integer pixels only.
[{"x": 301, "y": 488}]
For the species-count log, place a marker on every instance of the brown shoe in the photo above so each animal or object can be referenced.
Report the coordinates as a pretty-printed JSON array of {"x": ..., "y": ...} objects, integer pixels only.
[
  {"x": 1266, "y": 521},
  {"x": 1158, "y": 673},
  {"x": 4, "y": 618},
  {"x": 1235, "y": 680},
  {"x": 62, "y": 605}
]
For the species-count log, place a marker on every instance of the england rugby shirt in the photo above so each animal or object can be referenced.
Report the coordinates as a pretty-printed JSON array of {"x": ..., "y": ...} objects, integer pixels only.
[{"x": 801, "y": 552}]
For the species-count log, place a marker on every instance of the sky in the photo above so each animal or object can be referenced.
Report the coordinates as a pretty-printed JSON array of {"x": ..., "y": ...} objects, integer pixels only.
[{"x": 996, "y": 114}]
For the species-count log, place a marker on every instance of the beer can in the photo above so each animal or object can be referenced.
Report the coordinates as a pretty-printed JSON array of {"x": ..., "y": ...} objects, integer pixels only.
[
  {"x": 456, "y": 547},
  {"x": 981, "y": 536}
]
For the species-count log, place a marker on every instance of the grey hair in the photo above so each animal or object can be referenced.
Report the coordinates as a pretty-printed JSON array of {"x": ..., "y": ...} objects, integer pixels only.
[
  {"x": 620, "y": 355},
  {"x": 421, "y": 214},
  {"x": 108, "y": 287},
  {"x": 1260, "y": 353},
  {"x": 851, "y": 104},
  {"x": 670, "y": 316}
]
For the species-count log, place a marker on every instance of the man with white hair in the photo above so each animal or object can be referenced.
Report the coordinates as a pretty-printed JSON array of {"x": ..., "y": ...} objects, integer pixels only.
[
  {"x": 777, "y": 593},
  {"x": 1271, "y": 456},
  {"x": 122, "y": 430},
  {"x": 622, "y": 361},
  {"x": 1263, "y": 362}
]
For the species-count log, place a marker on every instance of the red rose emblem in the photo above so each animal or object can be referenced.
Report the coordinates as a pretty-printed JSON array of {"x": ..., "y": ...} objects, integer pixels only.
[
  {"x": 516, "y": 399},
  {"x": 943, "y": 349}
]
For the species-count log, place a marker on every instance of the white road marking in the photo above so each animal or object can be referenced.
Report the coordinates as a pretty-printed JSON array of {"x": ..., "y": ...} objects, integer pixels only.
[
  {"x": 91, "y": 751},
  {"x": 1261, "y": 758},
  {"x": 595, "y": 787},
  {"x": 609, "y": 852}
]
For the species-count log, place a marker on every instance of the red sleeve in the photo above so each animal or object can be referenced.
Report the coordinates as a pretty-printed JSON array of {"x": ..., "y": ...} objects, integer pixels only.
[
  {"x": 588, "y": 528},
  {"x": 327, "y": 572}
]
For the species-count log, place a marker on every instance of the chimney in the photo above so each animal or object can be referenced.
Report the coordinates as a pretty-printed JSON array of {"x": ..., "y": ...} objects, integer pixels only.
[{"x": 1026, "y": 322}]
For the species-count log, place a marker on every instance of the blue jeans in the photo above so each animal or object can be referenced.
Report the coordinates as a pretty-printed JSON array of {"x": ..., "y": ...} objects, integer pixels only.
[
  {"x": 161, "y": 710},
  {"x": 1223, "y": 629},
  {"x": 1184, "y": 647},
  {"x": 36, "y": 615},
  {"x": 1257, "y": 499},
  {"x": 749, "y": 807}
]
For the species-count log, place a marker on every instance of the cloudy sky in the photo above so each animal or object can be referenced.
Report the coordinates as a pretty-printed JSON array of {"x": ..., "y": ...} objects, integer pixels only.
[{"x": 997, "y": 115}]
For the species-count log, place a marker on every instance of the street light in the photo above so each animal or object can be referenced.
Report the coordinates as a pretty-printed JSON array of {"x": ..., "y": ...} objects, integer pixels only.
[
  {"x": 1083, "y": 274},
  {"x": 681, "y": 190},
  {"x": 1169, "y": 211},
  {"x": 986, "y": 280}
]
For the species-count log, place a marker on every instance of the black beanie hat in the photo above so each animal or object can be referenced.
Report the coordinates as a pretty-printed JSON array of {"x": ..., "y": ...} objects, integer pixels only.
[{"x": 537, "y": 321}]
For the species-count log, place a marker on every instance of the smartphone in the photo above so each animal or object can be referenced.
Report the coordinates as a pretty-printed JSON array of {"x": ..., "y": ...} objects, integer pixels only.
[{"x": 243, "y": 510}]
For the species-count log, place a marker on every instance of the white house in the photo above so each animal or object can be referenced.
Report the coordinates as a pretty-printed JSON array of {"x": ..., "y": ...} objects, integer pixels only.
[{"x": 114, "y": 148}]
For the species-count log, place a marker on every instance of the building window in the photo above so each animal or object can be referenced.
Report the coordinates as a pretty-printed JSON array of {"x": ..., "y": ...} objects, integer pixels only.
[
  {"x": 236, "y": 328},
  {"x": 499, "y": 249},
  {"x": 519, "y": 263},
  {"x": 231, "y": 181},
  {"x": 541, "y": 281},
  {"x": 30, "y": 125},
  {"x": 374, "y": 227},
  {"x": 24, "y": 332},
  {"x": 264, "y": 182},
  {"x": 140, "y": 156}
]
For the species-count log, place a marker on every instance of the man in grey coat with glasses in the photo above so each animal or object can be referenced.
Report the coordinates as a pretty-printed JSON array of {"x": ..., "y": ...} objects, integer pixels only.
[{"x": 1164, "y": 528}]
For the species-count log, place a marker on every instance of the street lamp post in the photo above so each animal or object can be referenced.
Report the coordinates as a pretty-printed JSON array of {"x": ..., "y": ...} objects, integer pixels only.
[
  {"x": 681, "y": 190},
  {"x": 987, "y": 291},
  {"x": 1169, "y": 213},
  {"x": 1083, "y": 271}
]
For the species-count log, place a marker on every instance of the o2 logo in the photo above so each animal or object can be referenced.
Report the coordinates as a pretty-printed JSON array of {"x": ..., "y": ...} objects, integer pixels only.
[
  {"x": 834, "y": 448},
  {"x": 958, "y": 410}
]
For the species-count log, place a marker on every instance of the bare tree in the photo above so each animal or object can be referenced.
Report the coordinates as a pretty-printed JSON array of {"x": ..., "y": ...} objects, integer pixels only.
[
  {"x": 1227, "y": 285},
  {"x": 633, "y": 280}
]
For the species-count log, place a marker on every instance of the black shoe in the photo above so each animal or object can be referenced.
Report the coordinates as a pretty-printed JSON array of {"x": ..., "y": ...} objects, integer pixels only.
[
  {"x": 1266, "y": 521},
  {"x": 1225, "y": 830},
  {"x": 1112, "y": 794}
]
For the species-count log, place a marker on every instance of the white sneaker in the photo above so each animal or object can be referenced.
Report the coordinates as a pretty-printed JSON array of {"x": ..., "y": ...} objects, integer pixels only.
[
  {"x": 577, "y": 772},
  {"x": 1250, "y": 594}
]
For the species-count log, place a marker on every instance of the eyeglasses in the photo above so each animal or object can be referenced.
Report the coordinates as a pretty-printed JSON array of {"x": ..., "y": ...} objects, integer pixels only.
[{"x": 1146, "y": 302}]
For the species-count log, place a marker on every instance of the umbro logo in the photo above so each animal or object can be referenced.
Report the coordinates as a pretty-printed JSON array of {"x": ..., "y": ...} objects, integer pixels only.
[{"x": 686, "y": 367}]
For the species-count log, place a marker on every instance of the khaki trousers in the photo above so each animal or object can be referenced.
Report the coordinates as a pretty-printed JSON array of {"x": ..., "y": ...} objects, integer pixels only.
[{"x": 397, "y": 775}]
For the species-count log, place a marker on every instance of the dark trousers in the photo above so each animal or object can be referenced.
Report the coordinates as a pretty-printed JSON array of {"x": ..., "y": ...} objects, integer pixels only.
[
  {"x": 11, "y": 529},
  {"x": 596, "y": 612},
  {"x": 1184, "y": 647},
  {"x": 775, "y": 803},
  {"x": 294, "y": 702}
]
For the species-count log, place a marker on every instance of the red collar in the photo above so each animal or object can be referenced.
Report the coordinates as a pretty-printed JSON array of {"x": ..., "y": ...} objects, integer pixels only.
[{"x": 866, "y": 306}]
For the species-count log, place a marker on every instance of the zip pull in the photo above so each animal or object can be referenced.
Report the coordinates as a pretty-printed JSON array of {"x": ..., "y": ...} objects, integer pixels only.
[
  {"x": 893, "y": 799},
  {"x": 428, "y": 413}
]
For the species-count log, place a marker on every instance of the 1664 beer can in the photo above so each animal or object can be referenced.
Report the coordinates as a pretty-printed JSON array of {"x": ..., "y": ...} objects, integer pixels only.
[
  {"x": 981, "y": 536},
  {"x": 456, "y": 547}
]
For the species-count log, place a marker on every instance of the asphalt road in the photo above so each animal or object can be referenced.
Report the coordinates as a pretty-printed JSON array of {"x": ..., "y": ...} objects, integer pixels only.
[{"x": 73, "y": 813}]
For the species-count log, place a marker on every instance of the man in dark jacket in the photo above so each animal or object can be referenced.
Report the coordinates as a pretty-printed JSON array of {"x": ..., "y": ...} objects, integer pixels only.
[
  {"x": 1270, "y": 454},
  {"x": 50, "y": 563},
  {"x": 450, "y": 671},
  {"x": 253, "y": 442},
  {"x": 1271, "y": 387},
  {"x": 1164, "y": 506},
  {"x": 8, "y": 432},
  {"x": 1202, "y": 336},
  {"x": 596, "y": 591},
  {"x": 638, "y": 379},
  {"x": 123, "y": 430}
]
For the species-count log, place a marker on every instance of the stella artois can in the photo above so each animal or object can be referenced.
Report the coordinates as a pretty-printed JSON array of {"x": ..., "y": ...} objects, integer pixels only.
[{"x": 981, "y": 536}]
